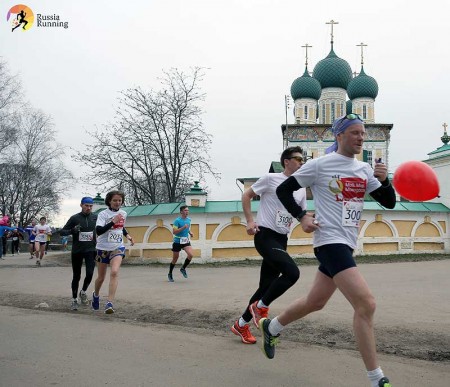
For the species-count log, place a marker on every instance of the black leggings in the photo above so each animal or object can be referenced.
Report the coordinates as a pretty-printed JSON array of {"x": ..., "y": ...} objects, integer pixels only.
[
  {"x": 272, "y": 247},
  {"x": 15, "y": 246},
  {"x": 77, "y": 262}
]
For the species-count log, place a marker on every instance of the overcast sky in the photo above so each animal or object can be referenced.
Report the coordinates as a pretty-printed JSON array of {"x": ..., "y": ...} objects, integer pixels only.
[{"x": 253, "y": 52}]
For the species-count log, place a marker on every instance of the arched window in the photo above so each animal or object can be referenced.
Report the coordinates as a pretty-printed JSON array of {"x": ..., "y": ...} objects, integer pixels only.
[
  {"x": 364, "y": 111},
  {"x": 305, "y": 112},
  {"x": 333, "y": 111}
]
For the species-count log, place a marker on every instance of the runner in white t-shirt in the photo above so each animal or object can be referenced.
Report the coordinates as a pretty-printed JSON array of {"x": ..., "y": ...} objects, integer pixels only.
[
  {"x": 110, "y": 230},
  {"x": 273, "y": 224},
  {"x": 339, "y": 183},
  {"x": 41, "y": 231}
]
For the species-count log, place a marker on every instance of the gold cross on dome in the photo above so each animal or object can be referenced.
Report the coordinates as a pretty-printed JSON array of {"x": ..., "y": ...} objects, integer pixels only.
[
  {"x": 306, "y": 46},
  {"x": 362, "y": 45},
  {"x": 332, "y": 22}
]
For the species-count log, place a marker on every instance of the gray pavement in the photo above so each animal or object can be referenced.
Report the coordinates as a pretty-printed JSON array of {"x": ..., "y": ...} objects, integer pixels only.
[{"x": 178, "y": 334}]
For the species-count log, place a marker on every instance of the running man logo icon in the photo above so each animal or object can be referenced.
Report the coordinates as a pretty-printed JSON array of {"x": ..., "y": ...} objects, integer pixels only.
[{"x": 20, "y": 16}]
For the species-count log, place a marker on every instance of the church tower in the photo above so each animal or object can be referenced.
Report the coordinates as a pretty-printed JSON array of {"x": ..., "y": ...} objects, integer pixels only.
[{"x": 321, "y": 98}]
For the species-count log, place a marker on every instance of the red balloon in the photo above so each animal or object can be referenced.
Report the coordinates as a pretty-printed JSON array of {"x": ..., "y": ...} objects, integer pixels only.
[{"x": 416, "y": 181}]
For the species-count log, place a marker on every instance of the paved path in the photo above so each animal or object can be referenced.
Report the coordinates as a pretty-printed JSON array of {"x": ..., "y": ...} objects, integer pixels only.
[{"x": 178, "y": 334}]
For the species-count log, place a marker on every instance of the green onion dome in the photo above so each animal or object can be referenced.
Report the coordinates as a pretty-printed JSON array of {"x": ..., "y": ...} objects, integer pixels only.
[
  {"x": 362, "y": 86},
  {"x": 333, "y": 72},
  {"x": 306, "y": 87}
]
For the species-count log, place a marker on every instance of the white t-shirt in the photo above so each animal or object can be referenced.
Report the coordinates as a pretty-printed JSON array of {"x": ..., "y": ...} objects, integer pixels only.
[
  {"x": 271, "y": 213},
  {"x": 41, "y": 232},
  {"x": 113, "y": 238},
  {"x": 338, "y": 184}
]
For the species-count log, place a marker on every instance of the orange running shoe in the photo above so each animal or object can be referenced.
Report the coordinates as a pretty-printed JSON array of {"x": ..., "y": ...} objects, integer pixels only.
[
  {"x": 244, "y": 332},
  {"x": 258, "y": 313}
]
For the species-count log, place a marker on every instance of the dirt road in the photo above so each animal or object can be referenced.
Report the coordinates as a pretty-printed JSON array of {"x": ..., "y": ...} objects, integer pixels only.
[{"x": 177, "y": 334}]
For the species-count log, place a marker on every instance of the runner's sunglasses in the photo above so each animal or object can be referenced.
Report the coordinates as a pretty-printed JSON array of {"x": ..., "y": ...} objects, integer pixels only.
[
  {"x": 298, "y": 158},
  {"x": 353, "y": 116}
]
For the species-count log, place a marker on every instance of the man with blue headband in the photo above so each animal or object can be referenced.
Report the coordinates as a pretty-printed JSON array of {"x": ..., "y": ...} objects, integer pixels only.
[
  {"x": 339, "y": 183},
  {"x": 82, "y": 228}
]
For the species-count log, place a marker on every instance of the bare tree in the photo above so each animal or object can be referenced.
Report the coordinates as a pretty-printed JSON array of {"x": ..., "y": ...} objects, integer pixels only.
[
  {"x": 157, "y": 143},
  {"x": 10, "y": 102},
  {"x": 33, "y": 178}
]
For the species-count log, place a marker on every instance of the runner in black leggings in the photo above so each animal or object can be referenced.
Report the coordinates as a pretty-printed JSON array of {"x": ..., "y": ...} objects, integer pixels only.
[
  {"x": 278, "y": 270},
  {"x": 272, "y": 247},
  {"x": 82, "y": 228}
]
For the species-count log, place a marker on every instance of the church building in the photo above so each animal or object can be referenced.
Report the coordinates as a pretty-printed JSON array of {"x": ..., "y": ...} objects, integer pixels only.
[{"x": 330, "y": 91}]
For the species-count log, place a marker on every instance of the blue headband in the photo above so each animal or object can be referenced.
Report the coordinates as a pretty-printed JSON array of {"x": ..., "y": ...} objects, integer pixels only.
[
  {"x": 87, "y": 200},
  {"x": 339, "y": 126}
]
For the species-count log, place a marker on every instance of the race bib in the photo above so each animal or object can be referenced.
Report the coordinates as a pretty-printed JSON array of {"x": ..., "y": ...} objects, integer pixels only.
[
  {"x": 184, "y": 240},
  {"x": 86, "y": 236},
  {"x": 283, "y": 219},
  {"x": 351, "y": 213},
  {"x": 41, "y": 238},
  {"x": 115, "y": 236},
  {"x": 15, "y": 238}
]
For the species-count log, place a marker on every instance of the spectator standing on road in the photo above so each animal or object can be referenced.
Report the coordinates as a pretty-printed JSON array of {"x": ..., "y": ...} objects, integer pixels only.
[{"x": 4, "y": 230}]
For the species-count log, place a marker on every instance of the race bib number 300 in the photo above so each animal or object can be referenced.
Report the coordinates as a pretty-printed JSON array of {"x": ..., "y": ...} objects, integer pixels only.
[
  {"x": 115, "y": 237},
  {"x": 351, "y": 213},
  {"x": 283, "y": 219}
]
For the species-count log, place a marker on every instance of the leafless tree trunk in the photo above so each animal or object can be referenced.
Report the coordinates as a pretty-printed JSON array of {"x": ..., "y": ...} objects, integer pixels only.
[
  {"x": 10, "y": 102},
  {"x": 158, "y": 144},
  {"x": 33, "y": 178}
]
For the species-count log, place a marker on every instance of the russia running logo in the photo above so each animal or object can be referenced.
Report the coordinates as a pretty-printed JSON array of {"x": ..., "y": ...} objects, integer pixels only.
[{"x": 21, "y": 17}]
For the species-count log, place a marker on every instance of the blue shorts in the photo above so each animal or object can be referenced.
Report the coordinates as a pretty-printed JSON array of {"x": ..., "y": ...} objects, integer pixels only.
[
  {"x": 105, "y": 256},
  {"x": 334, "y": 258}
]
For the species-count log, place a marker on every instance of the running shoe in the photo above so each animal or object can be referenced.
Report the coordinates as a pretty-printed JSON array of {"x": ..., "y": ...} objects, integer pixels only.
[
  {"x": 83, "y": 298},
  {"x": 384, "y": 382},
  {"x": 258, "y": 313},
  {"x": 95, "y": 301},
  {"x": 244, "y": 333},
  {"x": 32, "y": 256},
  {"x": 109, "y": 309},
  {"x": 269, "y": 341},
  {"x": 74, "y": 304},
  {"x": 183, "y": 271},
  {"x": 170, "y": 277}
]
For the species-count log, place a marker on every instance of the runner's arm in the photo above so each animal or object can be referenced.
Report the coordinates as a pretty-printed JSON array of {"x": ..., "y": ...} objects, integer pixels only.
[
  {"x": 68, "y": 228},
  {"x": 385, "y": 195},
  {"x": 102, "y": 229},
  {"x": 285, "y": 192}
]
